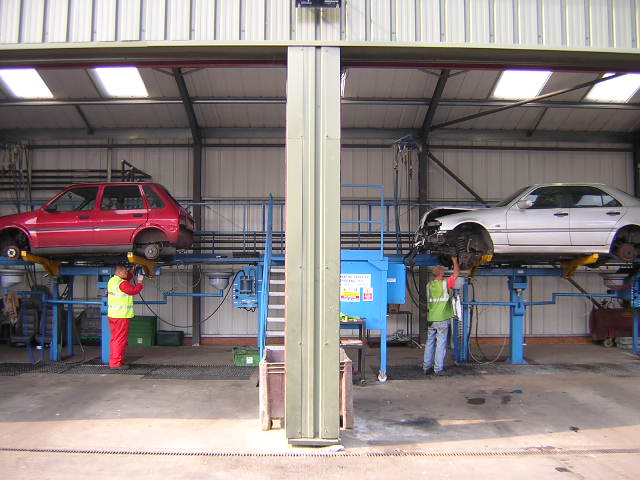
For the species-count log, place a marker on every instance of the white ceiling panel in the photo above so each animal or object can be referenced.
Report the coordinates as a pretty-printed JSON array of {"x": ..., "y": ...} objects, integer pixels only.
[
  {"x": 390, "y": 83},
  {"x": 159, "y": 82},
  {"x": 40, "y": 117},
  {"x": 237, "y": 82},
  {"x": 136, "y": 116},
  {"x": 241, "y": 116},
  {"x": 591, "y": 120},
  {"x": 377, "y": 116},
  {"x": 474, "y": 84},
  {"x": 69, "y": 83},
  {"x": 560, "y": 80}
]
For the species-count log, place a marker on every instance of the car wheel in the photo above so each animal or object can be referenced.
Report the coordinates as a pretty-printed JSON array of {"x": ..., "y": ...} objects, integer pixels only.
[
  {"x": 152, "y": 251},
  {"x": 608, "y": 342},
  {"x": 470, "y": 247},
  {"x": 626, "y": 252},
  {"x": 12, "y": 252}
]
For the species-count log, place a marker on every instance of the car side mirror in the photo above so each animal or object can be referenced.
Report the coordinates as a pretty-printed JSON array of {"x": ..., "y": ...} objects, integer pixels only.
[{"x": 524, "y": 204}]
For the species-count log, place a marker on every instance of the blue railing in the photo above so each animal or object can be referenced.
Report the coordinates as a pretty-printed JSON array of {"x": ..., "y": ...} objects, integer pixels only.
[
  {"x": 263, "y": 304},
  {"x": 371, "y": 221}
]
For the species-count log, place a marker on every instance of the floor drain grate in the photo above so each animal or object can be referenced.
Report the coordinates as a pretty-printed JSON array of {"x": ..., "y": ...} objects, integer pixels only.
[{"x": 521, "y": 452}]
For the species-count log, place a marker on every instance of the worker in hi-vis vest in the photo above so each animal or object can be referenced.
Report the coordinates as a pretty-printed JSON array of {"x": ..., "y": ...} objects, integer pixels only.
[
  {"x": 120, "y": 302},
  {"x": 440, "y": 311}
]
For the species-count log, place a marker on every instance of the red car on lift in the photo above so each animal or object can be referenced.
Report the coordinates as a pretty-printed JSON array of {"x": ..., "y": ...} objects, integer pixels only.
[{"x": 101, "y": 219}]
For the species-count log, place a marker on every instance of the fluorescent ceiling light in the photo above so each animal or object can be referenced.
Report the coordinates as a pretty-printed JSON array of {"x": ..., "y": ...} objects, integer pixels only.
[
  {"x": 121, "y": 81},
  {"x": 25, "y": 83},
  {"x": 520, "y": 84},
  {"x": 619, "y": 89}
]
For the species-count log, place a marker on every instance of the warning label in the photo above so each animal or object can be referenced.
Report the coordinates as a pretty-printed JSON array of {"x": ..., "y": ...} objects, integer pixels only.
[
  {"x": 349, "y": 295},
  {"x": 355, "y": 280},
  {"x": 367, "y": 295}
]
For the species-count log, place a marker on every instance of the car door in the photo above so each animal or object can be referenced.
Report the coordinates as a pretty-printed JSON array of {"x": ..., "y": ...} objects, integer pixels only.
[
  {"x": 68, "y": 219},
  {"x": 122, "y": 212},
  {"x": 593, "y": 215},
  {"x": 544, "y": 223}
]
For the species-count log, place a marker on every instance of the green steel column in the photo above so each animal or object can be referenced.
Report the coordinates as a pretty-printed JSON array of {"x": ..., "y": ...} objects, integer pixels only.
[{"x": 313, "y": 245}]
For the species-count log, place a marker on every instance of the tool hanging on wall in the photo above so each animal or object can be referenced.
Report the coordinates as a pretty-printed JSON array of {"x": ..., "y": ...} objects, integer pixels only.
[
  {"x": 404, "y": 150},
  {"x": 15, "y": 168}
]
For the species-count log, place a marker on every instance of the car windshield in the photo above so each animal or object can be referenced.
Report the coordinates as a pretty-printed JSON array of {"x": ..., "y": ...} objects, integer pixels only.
[{"x": 511, "y": 197}]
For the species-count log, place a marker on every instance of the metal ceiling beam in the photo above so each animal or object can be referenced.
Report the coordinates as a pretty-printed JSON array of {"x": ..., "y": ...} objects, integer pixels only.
[
  {"x": 353, "y": 134},
  {"x": 196, "y": 134},
  {"x": 186, "y": 101},
  {"x": 458, "y": 180},
  {"x": 364, "y": 101},
  {"x": 523, "y": 102},
  {"x": 433, "y": 104},
  {"x": 90, "y": 129},
  {"x": 365, "y": 146}
]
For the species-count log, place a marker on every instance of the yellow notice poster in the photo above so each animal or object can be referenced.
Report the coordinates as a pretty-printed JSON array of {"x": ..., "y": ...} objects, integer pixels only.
[{"x": 349, "y": 294}]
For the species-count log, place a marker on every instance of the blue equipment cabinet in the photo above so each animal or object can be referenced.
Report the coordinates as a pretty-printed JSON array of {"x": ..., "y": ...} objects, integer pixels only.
[
  {"x": 367, "y": 283},
  {"x": 245, "y": 287}
]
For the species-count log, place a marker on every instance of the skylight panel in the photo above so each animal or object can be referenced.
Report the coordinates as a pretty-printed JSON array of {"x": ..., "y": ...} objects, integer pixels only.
[
  {"x": 121, "y": 82},
  {"x": 521, "y": 84},
  {"x": 619, "y": 89},
  {"x": 25, "y": 83}
]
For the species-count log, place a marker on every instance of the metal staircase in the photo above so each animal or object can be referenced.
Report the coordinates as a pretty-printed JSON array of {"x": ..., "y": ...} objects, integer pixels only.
[{"x": 275, "y": 309}]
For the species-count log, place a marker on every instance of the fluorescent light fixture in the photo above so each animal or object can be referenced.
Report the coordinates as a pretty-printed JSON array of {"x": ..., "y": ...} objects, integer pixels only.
[
  {"x": 121, "y": 82},
  {"x": 619, "y": 89},
  {"x": 25, "y": 83},
  {"x": 520, "y": 84}
]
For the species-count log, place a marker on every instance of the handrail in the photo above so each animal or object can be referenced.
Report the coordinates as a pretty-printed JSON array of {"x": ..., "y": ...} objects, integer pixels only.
[
  {"x": 264, "y": 292},
  {"x": 371, "y": 222}
]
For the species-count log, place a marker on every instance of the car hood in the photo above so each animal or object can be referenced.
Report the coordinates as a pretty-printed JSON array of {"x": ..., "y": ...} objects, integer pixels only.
[
  {"x": 448, "y": 218},
  {"x": 438, "y": 212},
  {"x": 16, "y": 218}
]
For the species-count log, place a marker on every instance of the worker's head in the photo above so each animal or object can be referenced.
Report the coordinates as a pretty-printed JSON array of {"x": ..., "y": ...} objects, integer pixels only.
[
  {"x": 121, "y": 271},
  {"x": 438, "y": 271}
]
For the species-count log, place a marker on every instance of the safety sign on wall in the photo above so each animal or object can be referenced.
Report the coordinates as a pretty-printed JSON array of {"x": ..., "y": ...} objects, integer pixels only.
[
  {"x": 351, "y": 284},
  {"x": 367, "y": 294},
  {"x": 349, "y": 295}
]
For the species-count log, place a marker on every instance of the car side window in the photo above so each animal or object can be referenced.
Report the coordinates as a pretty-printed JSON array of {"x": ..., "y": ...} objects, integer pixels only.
[
  {"x": 81, "y": 199},
  {"x": 585, "y": 197},
  {"x": 153, "y": 199},
  {"x": 546, "y": 197},
  {"x": 122, "y": 197}
]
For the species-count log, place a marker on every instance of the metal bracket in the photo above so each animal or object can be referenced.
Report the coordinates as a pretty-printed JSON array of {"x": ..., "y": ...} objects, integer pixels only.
[
  {"x": 569, "y": 268},
  {"x": 51, "y": 266},
  {"x": 484, "y": 259},
  {"x": 149, "y": 266}
]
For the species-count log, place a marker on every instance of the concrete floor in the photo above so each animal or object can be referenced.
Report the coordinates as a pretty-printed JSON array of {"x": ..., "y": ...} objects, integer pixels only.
[{"x": 529, "y": 422}]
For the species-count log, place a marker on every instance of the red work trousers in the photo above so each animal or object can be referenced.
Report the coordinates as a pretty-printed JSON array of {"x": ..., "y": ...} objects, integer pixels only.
[{"x": 119, "y": 338}]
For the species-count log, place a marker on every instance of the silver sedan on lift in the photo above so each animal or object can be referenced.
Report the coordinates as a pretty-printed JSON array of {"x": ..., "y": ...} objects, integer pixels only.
[{"x": 539, "y": 223}]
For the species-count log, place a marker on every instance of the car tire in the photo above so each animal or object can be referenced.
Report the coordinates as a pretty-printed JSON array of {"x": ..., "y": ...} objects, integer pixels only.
[
  {"x": 12, "y": 252},
  {"x": 470, "y": 247},
  {"x": 626, "y": 252},
  {"x": 152, "y": 251}
]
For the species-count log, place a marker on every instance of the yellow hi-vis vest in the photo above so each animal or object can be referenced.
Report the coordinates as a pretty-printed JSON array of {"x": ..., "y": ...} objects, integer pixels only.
[
  {"x": 440, "y": 307},
  {"x": 120, "y": 304}
]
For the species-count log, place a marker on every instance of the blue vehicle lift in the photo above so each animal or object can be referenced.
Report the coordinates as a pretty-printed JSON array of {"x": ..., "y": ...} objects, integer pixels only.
[{"x": 517, "y": 282}]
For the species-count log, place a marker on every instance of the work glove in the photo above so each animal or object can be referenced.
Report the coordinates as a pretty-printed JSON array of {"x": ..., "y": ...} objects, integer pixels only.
[{"x": 139, "y": 278}]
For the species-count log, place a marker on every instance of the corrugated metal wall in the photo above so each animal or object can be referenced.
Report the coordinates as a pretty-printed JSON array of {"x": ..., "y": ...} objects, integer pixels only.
[
  {"x": 571, "y": 24},
  {"x": 232, "y": 176}
]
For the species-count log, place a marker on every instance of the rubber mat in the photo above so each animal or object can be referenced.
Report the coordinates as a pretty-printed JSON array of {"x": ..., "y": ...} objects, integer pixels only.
[
  {"x": 184, "y": 372},
  {"x": 210, "y": 372}
]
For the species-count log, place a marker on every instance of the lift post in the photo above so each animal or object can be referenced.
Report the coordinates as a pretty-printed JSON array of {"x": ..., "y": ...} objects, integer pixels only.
[{"x": 517, "y": 285}]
